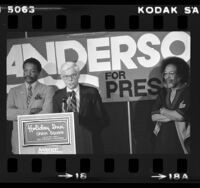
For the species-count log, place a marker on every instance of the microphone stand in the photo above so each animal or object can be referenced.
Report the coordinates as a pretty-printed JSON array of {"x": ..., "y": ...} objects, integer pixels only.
[
  {"x": 66, "y": 102},
  {"x": 63, "y": 104},
  {"x": 69, "y": 98}
]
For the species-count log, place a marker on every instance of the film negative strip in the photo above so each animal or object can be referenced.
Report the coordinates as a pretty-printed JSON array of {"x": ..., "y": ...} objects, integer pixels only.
[{"x": 99, "y": 93}]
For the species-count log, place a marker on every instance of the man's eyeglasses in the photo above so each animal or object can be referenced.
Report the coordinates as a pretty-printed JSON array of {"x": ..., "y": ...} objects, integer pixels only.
[
  {"x": 72, "y": 76},
  {"x": 171, "y": 74}
]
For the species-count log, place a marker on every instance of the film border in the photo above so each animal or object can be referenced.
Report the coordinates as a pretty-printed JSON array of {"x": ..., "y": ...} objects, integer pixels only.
[{"x": 37, "y": 167}]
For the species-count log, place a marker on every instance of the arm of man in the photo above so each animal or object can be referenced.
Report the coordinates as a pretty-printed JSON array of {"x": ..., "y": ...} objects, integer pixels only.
[
  {"x": 56, "y": 105},
  {"x": 100, "y": 112},
  {"x": 160, "y": 118},
  {"x": 12, "y": 110},
  {"x": 48, "y": 103},
  {"x": 172, "y": 114},
  {"x": 155, "y": 114},
  {"x": 182, "y": 113}
]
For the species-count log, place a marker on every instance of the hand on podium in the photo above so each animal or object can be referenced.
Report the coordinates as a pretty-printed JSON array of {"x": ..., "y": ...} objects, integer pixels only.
[{"x": 35, "y": 110}]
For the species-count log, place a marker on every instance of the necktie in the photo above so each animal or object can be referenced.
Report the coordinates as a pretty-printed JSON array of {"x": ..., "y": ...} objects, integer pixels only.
[
  {"x": 29, "y": 94},
  {"x": 73, "y": 102}
]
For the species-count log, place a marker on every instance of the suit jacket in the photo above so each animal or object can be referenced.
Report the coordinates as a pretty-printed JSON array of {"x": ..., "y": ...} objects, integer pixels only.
[
  {"x": 92, "y": 118},
  {"x": 16, "y": 105}
]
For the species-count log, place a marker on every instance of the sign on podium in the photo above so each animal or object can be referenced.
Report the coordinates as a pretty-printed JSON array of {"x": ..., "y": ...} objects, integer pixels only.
[{"x": 47, "y": 133}]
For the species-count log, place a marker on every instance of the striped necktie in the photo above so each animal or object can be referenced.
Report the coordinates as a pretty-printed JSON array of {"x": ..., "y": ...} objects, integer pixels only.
[
  {"x": 29, "y": 94},
  {"x": 74, "y": 106},
  {"x": 71, "y": 106}
]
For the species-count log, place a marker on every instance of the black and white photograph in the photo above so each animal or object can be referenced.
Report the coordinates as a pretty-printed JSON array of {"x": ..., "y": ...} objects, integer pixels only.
[{"x": 105, "y": 92}]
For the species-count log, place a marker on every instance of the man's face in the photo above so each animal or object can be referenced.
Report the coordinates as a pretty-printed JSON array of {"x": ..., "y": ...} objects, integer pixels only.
[
  {"x": 31, "y": 73},
  {"x": 171, "y": 79},
  {"x": 70, "y": 77}
]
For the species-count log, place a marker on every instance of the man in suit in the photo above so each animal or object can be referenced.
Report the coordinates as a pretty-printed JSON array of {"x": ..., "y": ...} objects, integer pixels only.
[
  {"x": 87, "y": 102},
  {"x": 31, "y": 97}
]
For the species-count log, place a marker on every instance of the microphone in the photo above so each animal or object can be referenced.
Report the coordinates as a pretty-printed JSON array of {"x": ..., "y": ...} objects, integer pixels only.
[
  {"x": 63, "y": 104},
  {"x": 69, "y": 102}
]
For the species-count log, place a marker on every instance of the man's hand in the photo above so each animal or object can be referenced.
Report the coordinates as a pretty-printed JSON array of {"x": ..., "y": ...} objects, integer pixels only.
[
  {"x": 171, "y": 114},
  {"x": 35, "y": 110},
  {"x": 163, "y": 111},
  {"x": 159, "y": 118}
]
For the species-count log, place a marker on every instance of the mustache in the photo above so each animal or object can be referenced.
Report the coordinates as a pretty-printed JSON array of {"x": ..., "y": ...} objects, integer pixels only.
[
  {"x": 168, "y": 80},
  {"x": 28, "y": 77}
]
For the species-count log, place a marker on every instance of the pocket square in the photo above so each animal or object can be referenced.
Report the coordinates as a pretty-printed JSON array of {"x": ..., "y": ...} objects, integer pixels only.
[{"x": 38, "y": 97}]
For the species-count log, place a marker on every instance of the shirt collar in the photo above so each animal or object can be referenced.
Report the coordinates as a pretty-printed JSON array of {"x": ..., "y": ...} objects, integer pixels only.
[
  {"x": 33, "y": 85},
  {"x": 182, "y": 87},
  {"x": 76, "y": 89}
]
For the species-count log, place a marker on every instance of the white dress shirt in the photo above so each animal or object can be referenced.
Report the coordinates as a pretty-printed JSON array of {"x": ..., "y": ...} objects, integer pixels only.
[
  {"x": 77, "y": 91},
  {"x": 33, "y": 86}
]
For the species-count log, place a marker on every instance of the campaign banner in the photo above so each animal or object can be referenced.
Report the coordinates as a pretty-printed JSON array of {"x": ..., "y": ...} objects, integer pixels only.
[{"x": 123, "y": 66}]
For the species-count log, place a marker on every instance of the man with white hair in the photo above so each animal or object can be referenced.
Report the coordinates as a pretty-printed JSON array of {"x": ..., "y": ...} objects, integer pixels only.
[{"x": 87, "y": 102}]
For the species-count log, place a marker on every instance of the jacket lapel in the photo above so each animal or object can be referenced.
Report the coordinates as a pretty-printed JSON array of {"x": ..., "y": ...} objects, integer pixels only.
[
  {"x": 23, "y": 96},
  {"x": 35, "y": 92},
  {"x": 81, "y": 98}
]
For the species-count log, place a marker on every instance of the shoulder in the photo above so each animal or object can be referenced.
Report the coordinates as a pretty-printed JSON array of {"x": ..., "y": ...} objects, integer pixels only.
[
  {"x": 47, "y": 88},
  {"x": 60, "y": 92},
  {"x": 162, "y": 92},
  {"x": 44, "y": 86},
  {"x": 88, "y": 89},
  {"x": 16, "y": 89},
  {"x": 186, "y": 92}
]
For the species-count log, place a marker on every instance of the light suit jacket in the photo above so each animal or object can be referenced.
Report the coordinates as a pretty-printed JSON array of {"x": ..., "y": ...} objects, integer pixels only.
[{"x": 16, "y": 105}]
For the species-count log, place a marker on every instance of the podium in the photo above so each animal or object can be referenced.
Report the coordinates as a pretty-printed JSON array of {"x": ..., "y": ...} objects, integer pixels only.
[{"x": 53, "y": 133}]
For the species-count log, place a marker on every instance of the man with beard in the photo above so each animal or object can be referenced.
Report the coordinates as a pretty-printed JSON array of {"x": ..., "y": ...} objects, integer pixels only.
[
  {"x": 31, "y": 97},
  {"x": 171, "y": 110}
]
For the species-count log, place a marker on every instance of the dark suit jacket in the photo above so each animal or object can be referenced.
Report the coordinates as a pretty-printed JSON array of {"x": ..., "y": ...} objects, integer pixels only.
[{"x": 92, "y": 118}]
